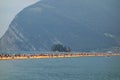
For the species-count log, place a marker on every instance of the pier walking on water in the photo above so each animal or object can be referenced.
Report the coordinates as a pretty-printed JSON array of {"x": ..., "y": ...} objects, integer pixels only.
[{"x": 56, "y": 55}]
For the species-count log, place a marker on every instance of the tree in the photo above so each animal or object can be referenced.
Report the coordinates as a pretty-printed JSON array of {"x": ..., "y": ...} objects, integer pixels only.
[{"x": 60, "y": 48}]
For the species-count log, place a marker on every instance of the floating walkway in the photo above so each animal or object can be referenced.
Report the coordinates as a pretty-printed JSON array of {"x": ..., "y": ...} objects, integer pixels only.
[{"x": 55, "y": 55}]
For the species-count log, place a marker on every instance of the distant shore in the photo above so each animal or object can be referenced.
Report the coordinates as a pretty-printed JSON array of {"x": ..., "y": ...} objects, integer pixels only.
[{"x": 56, "y": 55}]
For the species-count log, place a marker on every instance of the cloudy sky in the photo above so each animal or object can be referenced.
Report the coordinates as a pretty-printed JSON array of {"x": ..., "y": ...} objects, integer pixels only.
[{"x": 8, "y": 10}]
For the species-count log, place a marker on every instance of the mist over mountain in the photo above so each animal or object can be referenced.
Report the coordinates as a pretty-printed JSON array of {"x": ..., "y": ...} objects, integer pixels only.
[{"x": 82, "y": 25}]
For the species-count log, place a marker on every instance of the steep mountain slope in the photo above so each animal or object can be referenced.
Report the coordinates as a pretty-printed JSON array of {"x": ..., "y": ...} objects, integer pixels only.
[{"x": 82, "y": 25}]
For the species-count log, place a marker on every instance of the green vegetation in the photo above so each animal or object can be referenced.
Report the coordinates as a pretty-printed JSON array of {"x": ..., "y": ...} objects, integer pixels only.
[{"x": 60, "y": 48}]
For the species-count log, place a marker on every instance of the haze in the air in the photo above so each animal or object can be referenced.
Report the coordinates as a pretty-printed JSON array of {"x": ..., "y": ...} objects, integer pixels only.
[{"x": 9, "y": 9}]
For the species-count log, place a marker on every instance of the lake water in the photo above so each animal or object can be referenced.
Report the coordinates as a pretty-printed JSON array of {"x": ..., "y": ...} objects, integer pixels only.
[{"x": 83, "y": 68}]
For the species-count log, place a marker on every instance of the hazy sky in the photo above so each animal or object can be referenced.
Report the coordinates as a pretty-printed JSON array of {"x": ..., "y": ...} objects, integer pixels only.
[{"x": 8, "y": 10}]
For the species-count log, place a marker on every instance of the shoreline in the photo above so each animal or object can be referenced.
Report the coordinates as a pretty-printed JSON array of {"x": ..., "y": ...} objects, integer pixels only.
[{"x": 57, "y": 55}]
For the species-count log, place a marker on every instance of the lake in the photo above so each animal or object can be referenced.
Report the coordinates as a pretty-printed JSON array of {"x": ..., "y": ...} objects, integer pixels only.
[{"x": 83, "y": 68}]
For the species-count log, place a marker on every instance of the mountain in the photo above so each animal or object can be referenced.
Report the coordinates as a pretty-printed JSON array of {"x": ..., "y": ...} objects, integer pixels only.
[{"x": 82, "y": 25}]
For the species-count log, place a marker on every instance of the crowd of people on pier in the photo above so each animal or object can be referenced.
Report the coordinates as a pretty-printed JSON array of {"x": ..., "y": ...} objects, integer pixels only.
[
  {"x": 32, "y": 55},
  {"x": 13, "y": 56}
]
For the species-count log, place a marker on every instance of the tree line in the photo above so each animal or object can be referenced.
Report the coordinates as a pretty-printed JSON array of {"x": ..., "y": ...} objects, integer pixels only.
[{"x": 60, "y": 48}]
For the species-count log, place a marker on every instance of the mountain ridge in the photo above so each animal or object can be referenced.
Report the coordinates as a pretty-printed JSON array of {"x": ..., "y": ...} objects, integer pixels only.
[{"x": 73, "y": 24}]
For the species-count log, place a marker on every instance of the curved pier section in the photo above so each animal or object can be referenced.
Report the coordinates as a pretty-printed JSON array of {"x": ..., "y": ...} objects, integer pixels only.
[{"x": 56, "y": 55}]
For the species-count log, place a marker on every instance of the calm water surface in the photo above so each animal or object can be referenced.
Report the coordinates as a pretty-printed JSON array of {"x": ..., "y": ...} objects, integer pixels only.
[{"x": 84, "y": 68}]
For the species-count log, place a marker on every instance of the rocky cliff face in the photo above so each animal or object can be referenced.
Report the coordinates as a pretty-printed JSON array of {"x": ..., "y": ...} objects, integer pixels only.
[{"x": 81, "y": 25}]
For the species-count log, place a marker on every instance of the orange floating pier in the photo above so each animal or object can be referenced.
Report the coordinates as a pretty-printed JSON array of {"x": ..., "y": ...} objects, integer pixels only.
[{"x": 51, "y": 55}]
